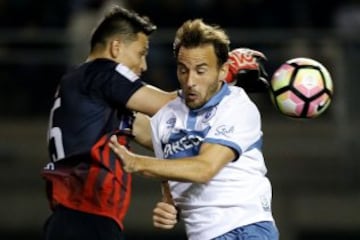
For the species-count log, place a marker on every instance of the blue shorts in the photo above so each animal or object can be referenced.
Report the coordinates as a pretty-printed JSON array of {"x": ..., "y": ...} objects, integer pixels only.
[{"x": 255, "y": 231}]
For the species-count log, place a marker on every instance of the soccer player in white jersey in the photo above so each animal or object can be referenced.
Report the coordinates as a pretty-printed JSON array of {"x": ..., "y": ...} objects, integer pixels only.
[{"x": 211, "y": 139}]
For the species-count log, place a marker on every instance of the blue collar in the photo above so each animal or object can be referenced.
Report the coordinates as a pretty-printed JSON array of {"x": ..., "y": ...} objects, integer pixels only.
[{"x": 214, "y": 100}]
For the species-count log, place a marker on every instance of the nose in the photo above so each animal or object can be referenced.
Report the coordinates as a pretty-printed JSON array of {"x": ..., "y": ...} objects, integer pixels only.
[
  {"x": 143, "y": 66},
  {"x": 190, "y": 80}
]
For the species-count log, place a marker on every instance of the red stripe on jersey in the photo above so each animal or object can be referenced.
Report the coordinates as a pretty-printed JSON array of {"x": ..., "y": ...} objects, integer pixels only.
[
  {"x": 124, "y": 198},
  {"x": 97, "y": 185}
]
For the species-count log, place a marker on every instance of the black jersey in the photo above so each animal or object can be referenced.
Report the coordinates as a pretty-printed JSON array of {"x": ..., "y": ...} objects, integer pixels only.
[
  {"x": 90, "y": 102},
  {"x": 84, "y": 174}
]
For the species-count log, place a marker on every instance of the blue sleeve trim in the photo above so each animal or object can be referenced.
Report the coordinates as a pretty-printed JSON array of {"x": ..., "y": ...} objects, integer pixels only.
[{"x": 235, "y": 147}]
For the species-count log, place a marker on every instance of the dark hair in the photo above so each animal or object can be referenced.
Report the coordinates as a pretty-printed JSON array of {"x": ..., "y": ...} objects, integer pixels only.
[
  {"x": 121, "y": 21},
  {"x": 194, "y": 33}
]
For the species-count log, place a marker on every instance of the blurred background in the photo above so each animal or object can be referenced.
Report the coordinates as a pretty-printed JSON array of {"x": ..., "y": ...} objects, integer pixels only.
[{"x": 314, "y": 165}]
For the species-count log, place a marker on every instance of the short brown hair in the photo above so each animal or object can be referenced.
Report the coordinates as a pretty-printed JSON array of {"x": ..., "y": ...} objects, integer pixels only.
[{"x": 194, "y": 33}]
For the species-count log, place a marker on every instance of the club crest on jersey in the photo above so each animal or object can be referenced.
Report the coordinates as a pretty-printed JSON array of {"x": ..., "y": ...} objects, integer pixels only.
[
  {"x": 224, "y": 130},
  {"x": 171, "y": 122},
  {"x": 209, "y": 115}
]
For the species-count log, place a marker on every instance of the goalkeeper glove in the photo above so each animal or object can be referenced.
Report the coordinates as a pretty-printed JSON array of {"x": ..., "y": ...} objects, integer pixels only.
[{"x": 246, "y": 70}]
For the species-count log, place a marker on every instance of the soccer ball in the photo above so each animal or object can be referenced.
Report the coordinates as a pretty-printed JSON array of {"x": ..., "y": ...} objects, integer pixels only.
[{"x": 301, "y": 88}]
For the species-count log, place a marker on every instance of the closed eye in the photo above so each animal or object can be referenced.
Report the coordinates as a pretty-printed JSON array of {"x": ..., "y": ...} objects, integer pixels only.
[
  {"x": 201, "y": 70},
  {"x": 181, "y": 69}
]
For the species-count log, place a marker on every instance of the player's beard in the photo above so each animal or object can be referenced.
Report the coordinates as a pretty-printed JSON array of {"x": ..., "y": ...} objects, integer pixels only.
[{"x": 201, "y": 99}]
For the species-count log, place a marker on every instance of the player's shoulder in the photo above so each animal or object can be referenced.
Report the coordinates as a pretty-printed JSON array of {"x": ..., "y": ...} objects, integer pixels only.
[
  {"x": 175, "y": 106},
  {"x": 238, "y": 94},
  {"x": 97, "y": 68},
  {"x": 103, "y": 70},
  {"x": 107, "y": 66},
  {"x": 238, "y": 97},
  {"x": 236, "y": 90},
  {"x": 100, "y": 65}
]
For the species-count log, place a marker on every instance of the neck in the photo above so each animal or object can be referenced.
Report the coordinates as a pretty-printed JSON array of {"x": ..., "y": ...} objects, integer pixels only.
[{"x": 98, "y": 54}]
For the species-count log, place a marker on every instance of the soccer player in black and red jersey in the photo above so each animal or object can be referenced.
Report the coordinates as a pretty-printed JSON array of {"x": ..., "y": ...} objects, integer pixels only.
[{"x": 87, "y": 189}]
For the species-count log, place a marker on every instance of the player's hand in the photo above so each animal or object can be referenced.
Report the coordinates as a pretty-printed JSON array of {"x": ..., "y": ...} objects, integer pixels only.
[
  {"x": 165, "y": 215},
  {"x": 246, "y": 70},
  {"x": 127, "y": 157}
]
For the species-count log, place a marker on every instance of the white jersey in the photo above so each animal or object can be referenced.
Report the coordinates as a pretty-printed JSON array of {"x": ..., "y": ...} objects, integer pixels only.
[{"x": 240, "y": 194}]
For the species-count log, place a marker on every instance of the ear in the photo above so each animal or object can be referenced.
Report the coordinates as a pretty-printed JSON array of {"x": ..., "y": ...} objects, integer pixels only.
[
  {"x": 115, "y": 48},
  {"x": 223, "y": 71}
]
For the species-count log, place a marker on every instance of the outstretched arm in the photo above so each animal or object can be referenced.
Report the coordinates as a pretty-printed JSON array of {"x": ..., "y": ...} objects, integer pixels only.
[
  {"x": 149, "y": 99},
  {"x": 200, "y": 168}
]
